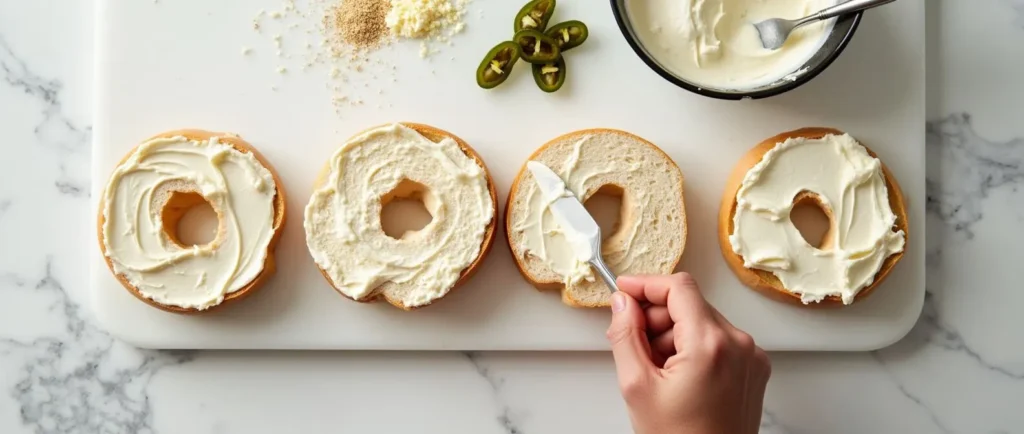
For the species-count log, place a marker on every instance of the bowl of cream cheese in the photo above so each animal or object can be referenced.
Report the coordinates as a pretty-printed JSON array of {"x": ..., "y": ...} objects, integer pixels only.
[{"x": 711, "y": 47}]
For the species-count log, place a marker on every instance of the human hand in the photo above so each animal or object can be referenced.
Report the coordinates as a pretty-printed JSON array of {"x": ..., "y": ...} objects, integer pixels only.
[{"x": 682, "y": 367}]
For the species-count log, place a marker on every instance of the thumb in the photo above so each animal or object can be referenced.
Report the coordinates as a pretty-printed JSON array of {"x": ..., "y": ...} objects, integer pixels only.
[{"x": 627, "y": 335}]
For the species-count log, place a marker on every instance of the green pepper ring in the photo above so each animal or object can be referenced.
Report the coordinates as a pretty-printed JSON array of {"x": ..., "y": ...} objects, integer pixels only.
[
  {"x": 538, "y": 76},
  {"x": 492, "y": 55},
  {"x": 529, "y": 7},
  {"x": 545, "y": 40},
  {"x": 555, "y": 33}
]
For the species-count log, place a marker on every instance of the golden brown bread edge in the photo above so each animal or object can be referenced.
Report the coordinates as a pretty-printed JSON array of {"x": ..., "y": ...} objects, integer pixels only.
[
  {"x": 434, "y": 135},
  {"x": 558, "y": 285},
  {"x": 279, "y": 219},
  {"x": 765, "y": 282}
]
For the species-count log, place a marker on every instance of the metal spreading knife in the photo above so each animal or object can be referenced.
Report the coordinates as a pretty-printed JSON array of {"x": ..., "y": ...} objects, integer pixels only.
[{"x": 581, "y": 230}]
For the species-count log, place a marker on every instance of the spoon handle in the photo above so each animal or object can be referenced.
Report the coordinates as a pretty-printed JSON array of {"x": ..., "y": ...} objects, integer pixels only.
[{"x": 848, "y": 7}]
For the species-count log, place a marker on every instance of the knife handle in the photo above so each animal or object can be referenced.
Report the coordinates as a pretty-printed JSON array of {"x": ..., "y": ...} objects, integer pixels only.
[{"x": 605, "y": 272}]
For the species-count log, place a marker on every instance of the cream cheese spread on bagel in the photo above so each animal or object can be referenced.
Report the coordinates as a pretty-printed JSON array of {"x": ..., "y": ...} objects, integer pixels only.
[
  {"x": 235, "y": 184},
  {"x": 650, "y": 232},
  {"x": 848, "y": 183},
  {"x": 343, "y": 226}
]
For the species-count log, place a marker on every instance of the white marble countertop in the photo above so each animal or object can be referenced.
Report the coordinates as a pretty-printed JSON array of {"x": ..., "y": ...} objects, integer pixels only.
[{"x": 961, "y": 370}]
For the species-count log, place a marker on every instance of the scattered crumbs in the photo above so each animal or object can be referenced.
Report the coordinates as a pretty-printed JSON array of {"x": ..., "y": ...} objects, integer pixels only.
[{"x": 340, "y": 39}]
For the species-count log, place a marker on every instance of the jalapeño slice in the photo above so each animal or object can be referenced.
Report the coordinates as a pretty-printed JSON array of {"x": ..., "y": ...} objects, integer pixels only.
[
  {"x": 568, "y": 35},
  {"x": 536, "y": 47},
  {"x": 550, "y": 76},
  {"x": 497, "y": 65},
  {"x": 534, "y": 15}
]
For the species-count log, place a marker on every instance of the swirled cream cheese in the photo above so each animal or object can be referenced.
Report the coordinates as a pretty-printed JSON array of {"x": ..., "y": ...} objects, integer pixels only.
[
  {"x": 584, "y": 172},
  {"x": 579, "y": 244},
  {"x": 713, "y": 43},
  {"x": 850, "y": 183},
  {"x": 343, "y": 227},
  {"x": 238, "y": 188}
]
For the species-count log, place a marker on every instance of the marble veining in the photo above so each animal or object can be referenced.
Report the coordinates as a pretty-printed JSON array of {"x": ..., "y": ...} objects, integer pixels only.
[
  {"x": 505, "y": 419},
  {"x": 55, "y": 131},
  {"x": 964, "y": 167},
  {"x": 70, "y": 187},
  {"x": 771, "y": 425},
  {"x": 79, "y": 379},
  {"x": 914, "y": 398},
  {"x": 1018, "y": 7}
]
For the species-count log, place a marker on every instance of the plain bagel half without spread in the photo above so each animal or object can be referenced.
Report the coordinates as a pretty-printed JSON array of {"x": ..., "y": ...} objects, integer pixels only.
[
  {"x": 402, "y": 160},
  {"x": 651, "y": 232},
  {"x": 829, "y": 169},
  {"x": 155, "y": 185}
]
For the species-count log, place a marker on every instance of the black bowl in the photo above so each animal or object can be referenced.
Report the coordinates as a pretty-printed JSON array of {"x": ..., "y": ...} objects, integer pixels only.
[{"x": 836, "y": 41}]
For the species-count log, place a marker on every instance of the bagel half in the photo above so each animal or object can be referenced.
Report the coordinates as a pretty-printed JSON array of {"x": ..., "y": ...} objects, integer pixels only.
[
  {"x": 392, "y": 292},
  {"x": 653, "y": 213},
  {"x": 177, "y": 210},
  {"x": 766, "y": 282}
]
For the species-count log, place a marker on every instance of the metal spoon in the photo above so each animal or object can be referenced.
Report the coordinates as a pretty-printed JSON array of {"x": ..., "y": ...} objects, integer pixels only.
[{"x": 773, "y": 32}]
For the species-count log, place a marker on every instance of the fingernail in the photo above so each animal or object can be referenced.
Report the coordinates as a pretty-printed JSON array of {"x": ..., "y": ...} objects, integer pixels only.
[
  {"x": 618, "y": 302},
  {"x": 628, "y": 280}
]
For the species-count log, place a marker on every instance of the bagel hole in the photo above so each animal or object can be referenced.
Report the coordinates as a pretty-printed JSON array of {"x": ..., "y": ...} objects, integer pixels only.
[
  {"x": 189, "y": 219},
  {"x": 810, "y": 219},
  {"x": 404, "y": 211},
  {"x": 605, "y": 205}
]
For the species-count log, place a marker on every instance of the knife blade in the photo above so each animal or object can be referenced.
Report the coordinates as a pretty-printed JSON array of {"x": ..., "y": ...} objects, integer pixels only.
[{"x": 581, "y": 230}]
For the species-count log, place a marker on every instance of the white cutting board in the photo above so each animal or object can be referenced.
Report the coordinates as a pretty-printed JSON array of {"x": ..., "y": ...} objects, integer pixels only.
[{"x": 178, "y": 64}]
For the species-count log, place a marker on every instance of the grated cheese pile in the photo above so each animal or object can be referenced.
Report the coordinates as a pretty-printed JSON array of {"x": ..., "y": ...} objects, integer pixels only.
[{"x": 427, "y": 20}]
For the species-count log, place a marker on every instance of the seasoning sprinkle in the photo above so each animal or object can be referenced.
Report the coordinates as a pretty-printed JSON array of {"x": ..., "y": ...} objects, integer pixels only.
[{"x": 359, "y": 23}]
